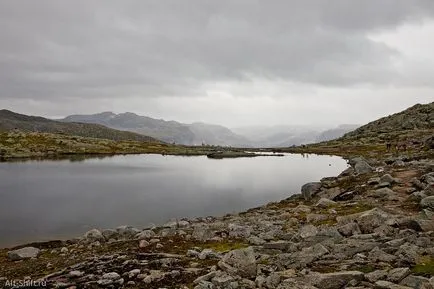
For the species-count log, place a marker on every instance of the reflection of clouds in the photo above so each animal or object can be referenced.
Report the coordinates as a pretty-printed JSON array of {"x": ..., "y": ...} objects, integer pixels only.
[{"x": 53, "y": 199}]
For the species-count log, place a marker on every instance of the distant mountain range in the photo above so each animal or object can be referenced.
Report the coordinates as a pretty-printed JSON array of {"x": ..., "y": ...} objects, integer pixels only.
[
  {"x": 130, "y": 126},
  {"x": 168, "y": 131},
  {"x": 10, "y": 121},
  {"x": 210, "y": 134}
]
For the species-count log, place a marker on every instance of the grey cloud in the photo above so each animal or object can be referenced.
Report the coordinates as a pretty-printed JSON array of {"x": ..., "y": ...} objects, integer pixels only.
[{"x": 102, "y": 49}]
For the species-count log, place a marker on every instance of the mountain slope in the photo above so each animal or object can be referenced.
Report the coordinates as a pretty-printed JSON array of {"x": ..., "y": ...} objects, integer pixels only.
[
  {"x": 169, "y": 131},
  {"x": 216, "y": 134},
  {"x": 337, "y": 132},
  {"x": 10, "y": 120},
  {"x": 408, "y": 123}
]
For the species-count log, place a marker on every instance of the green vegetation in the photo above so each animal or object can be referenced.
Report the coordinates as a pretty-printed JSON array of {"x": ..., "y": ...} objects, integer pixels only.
[
  {"x": 226, "y": 246},
  {"x": 425, "y": 267}
]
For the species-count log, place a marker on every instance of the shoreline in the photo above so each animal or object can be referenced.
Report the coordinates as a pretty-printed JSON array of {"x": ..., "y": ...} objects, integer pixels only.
[{"x": 385, "y": 198}]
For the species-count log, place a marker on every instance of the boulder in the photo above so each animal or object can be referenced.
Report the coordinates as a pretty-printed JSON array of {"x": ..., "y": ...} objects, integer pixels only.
[
  {"x": 146, "y": 234},
  {"x": 389, "y": 285},
  {"x": 372, "y": 219},
  {"x": 202, "y": 233},
  {"x": 94, "y": 235},
  {"x": 387, "y": 178},
  {"x": 23, "y": 253},
  {"x": 241, "y": 262},
  {"x": 127, "y": 231},
  {"x": 376, "y": 275},
  {"x": 349, "y": 229},
  {"x": 308, "y": 231},
  {"x": 428, "y": 203},
  {"x": 237, "y": 231},
  {"x": 397, "y": 274},
  {"x": 362, "y": 167},
  {"x": 325, "y": 203},
  {"x": 309, "y": 190},
  {"x": 336, "y": 279},
  {"x": 417, "y": 282}
]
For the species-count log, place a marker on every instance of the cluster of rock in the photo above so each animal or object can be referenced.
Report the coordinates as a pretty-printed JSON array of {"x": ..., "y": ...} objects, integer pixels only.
[{"x": 330, "y": 236}]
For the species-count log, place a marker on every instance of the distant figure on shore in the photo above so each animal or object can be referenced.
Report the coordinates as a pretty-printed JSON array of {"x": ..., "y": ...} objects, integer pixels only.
[{"x": 389, "y": 146}]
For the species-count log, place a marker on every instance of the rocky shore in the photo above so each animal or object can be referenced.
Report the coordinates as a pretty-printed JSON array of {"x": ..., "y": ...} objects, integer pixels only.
[{"x": 370, "y": 227}]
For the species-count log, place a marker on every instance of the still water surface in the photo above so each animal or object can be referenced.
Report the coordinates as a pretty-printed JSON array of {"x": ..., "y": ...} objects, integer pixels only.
[{"x": 43, "y": 200}]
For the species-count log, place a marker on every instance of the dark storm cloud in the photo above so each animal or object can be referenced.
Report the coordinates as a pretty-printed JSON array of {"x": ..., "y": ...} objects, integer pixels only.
[{"x": 111, "y": 49}]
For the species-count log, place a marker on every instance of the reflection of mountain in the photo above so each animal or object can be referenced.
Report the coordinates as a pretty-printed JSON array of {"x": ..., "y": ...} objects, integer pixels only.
[{"x": 169, "y": 131}]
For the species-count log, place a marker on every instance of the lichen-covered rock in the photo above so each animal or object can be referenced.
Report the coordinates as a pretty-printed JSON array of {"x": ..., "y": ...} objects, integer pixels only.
[{"x": 241, "y": 262}]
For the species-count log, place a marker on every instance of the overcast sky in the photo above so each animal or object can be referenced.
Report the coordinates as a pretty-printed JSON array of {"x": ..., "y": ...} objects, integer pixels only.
[{"x": 235, "y": 63}]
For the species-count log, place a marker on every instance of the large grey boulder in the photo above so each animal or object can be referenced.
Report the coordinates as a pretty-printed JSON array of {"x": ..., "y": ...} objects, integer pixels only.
[
  {"x": 417, "y": 282},
  {"x": 241, "y": 262},
  {"x": 202, "y": 232},
  {"x": 127, "y": 231},
  {"x": 23, "y": 253},
  {"x": 309, "y": 190},
  {"x": 397, "y": 274},
  {"x": 387, "y": 178},
  {"x": 361, "y": 166},
  {"x": 427, "y": 203},
  {"x": 336, "y": 280},
  {"x": 146, "y": 234},
  {"x": 94, "y": 235},
  {"x": 325, "y": 203},
  {"x": 372, "y": 219}
]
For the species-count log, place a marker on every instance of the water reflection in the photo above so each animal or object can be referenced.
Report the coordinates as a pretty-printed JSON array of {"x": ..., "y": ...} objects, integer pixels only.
[{"x": 64, "y": 198}]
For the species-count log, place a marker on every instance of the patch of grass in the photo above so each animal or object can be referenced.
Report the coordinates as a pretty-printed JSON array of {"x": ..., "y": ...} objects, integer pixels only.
[
  {"x": 226, "y": 246},
  {"x": 425, "y": 267},
  {"x": 365, "y": 269}
]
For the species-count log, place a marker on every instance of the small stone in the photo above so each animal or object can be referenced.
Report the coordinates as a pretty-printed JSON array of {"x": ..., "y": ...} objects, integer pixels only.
[
  {"x": 133, "y": 273},
  {"x": 111, "y": 276},
  {"x": 159, "y": 246},
  {"x": 75, "y": 274},
  {"x": 143, "y": 244},
  {"x": 64, "y": 250}
]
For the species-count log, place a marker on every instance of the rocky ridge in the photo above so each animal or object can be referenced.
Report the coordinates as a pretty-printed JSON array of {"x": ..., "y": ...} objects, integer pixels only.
[{"x": 370, "y": 227}]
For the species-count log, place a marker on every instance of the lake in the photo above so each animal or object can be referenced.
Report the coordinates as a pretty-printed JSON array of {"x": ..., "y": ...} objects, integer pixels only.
[{"x": 44, "y": 200}]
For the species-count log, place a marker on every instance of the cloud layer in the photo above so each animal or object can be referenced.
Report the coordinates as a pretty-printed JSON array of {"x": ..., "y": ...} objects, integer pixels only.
[{"x": 102, "y": 53}]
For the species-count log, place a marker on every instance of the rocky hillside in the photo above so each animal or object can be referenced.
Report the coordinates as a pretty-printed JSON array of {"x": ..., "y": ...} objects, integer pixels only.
[
  {"x": 13, "y": 121},
  {"x": 409, "y": 123},
  {"x": 168, "y": 131}
]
